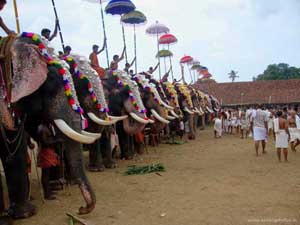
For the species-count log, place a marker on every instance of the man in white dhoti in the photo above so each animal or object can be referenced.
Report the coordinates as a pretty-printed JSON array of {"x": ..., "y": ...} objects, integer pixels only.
[
  {"x": 294, "y": 129},
  {"x": 282, "y": 135},
  {"x": 218, "y": 127},
  {"x": 259, "y": 125}
]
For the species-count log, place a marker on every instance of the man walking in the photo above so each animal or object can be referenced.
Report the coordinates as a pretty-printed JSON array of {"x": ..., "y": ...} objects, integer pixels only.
[{"x": 259, "y": 125}]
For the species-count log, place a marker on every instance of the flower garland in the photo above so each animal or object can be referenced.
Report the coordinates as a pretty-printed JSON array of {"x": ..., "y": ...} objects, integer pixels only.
[
  {"x": 84, "y": 78},
  {"x": 147, "y": 87},
  {"x": 123, "y": 84},
  {"x": 52, "y": 62},
  {"x": 171, "y": 90},
  {"x": 184, "y": 90}
]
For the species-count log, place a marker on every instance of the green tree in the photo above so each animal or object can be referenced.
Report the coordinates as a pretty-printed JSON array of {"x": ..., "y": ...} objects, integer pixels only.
[{"x": 281, "y": 71}]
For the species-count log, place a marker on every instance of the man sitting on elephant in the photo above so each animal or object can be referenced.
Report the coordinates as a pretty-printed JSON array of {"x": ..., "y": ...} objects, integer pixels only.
[
  {"x": 116, "y": 59},
  {"x": 2, "y": 24},
  {"x": 46, "y": 32},
  {"x": 94, "y": 59}
]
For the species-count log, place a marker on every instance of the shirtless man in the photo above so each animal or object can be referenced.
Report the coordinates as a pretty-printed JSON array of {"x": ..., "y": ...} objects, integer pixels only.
[
  {"x": 2, "y": 24},
  {"x": 129, "y": 65},
  {"x": 294, "y": 130},
  {"x": 151, "y": 70},
  {"x": 282, "y": 136},
  {"x": 94, "y": 59},
  {"x": 114, "y": 65},
  {"x": 46, "y": 33}
]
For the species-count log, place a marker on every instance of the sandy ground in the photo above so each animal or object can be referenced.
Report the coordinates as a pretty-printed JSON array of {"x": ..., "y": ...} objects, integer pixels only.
[{"x": 208, "y": 181}]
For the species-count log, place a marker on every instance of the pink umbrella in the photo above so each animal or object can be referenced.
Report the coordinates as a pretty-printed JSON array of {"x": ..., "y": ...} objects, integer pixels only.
[
  {"x": 168, "y": 39},
  {"x": 186, "y": 59}
]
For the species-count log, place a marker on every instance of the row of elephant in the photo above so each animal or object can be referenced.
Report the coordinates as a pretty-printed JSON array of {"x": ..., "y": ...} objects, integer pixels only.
[{"x": 68, "y": 93}]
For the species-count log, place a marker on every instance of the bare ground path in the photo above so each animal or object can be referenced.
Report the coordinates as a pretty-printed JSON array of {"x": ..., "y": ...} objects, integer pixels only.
[{"x": 208, "y": 181}]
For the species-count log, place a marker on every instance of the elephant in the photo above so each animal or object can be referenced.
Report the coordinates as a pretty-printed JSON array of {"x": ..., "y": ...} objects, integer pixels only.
[
  {"x": 124, "y": 99},
  {"x": 38, "y": 93},
  {"x": 169, "y": 98},
  {"x": 91, "y": 96},
  {"x": 187, "y": 107}
]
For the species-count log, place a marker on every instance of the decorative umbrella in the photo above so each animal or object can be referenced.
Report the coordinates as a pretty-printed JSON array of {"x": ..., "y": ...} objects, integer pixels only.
[
  {"x": 119, "y": 7},
  {"x": 134, "y": 17},
  {"x": 186, "y": 60},
  {"x": 195, "y": 65},
  {"x": 156, "y": 29},
  {"x": 168, "y": 39},
  {"x": 164, "y": 54},
  {"x": 103, "y": 25}
]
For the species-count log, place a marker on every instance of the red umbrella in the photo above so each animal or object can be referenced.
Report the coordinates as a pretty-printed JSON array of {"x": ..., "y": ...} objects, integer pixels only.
[
  {"x": 186, "y": 59},
  {"x": 167, "y": 39}
]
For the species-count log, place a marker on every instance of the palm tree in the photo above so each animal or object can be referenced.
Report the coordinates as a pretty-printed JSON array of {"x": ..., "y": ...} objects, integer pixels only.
[{"x": 233, "y": 75}]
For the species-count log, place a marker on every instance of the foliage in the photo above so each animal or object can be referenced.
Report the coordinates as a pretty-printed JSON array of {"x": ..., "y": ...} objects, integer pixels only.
[
  {"x": 233, "y": 75},
  {"x": 132, "y": 170},
  {"x": 281, "y": 71}
]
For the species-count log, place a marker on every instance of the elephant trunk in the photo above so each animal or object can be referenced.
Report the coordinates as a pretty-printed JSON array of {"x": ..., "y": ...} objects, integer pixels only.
[
  {"x": 132, "y": 128},
  {"x": 75, "y": 164},
  {"x": 5, "y": 117}
]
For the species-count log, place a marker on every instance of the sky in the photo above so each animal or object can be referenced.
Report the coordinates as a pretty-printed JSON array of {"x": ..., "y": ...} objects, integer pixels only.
[{"x": 224, "y": 35}]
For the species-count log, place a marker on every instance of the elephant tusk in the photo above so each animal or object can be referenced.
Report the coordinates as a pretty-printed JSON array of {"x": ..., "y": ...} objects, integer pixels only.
[
  {"x": 197, "y": 111},
  {"x": 158, "y": 117},
  {"x": 72, "y": 134},
  {"x": 188, "y": 111},
  {"x": 99, "y": 121},
  {"x": 171, "y": 117},
  {"x": 95, "y": 135},
  {"x": 117, "y": 118},
  {"x": 167, "y": 106},
  {"x": 201, "y": 111},
  {"x": 139, "y": 119},
  {"x": 209, "y": 110},
  {"x": 151, "y": 121},
  {"x": 174, "y": 114}
]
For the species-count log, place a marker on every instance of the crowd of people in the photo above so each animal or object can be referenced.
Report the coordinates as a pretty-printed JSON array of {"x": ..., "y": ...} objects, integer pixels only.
[{"x": 260, "y": 123}]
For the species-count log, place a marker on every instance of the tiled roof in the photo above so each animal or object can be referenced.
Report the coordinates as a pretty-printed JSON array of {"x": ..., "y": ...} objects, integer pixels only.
[{"x": 242, "y": 93}]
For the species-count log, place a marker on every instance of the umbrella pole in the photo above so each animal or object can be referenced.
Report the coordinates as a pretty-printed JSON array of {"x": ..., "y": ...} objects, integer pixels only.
[
  {"x": 191, "y": 75},
  {"x": 104, "y": 32},
  {"x": 17, "y": 16},
  {"x": 171, "y": 64},
  {"x": 135, "y": 49},
  {"x": 58, "y": 25},
  {"x": 165, "y": 65},
  {"x": 158, "y": 57},
  {"x": 124, "y": 42}
]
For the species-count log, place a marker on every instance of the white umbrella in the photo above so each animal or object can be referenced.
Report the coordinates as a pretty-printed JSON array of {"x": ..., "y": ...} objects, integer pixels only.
[{"x": 156, "y": 29}]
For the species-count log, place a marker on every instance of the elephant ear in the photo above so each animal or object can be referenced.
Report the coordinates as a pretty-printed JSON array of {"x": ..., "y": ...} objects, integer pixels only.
[{"x": 29, "y": 70}]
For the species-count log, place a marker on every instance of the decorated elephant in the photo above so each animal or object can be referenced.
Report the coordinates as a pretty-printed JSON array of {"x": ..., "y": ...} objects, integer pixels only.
[
  {"x": 91, "y": 96},
  {"x": 187, "y": 107},
  {"x": 42, "y": 90},
  {"x": 125, "y": 100}
]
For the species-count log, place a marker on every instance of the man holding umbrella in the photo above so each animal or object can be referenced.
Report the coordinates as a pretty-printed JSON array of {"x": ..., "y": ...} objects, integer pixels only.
[
  {"x": 46, "y": 32},
  {"x": 94, "y": 59}
]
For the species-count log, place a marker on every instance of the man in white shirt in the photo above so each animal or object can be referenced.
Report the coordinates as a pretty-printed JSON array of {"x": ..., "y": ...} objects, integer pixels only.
[{"x": 259, "y": 126}]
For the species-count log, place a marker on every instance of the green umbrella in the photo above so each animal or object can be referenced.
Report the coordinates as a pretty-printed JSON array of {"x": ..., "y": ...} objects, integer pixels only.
[{"x": 164, "y": 54}]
